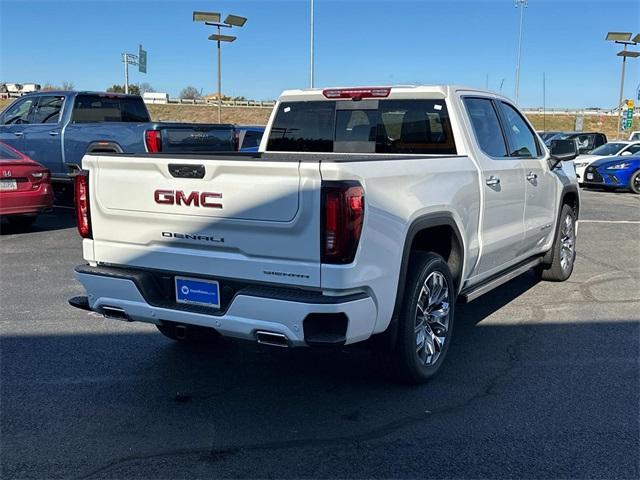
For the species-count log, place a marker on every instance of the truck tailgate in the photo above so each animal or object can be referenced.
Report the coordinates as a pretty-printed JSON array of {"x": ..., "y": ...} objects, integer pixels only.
[
  {"x": 197, "y": 138},
  {"x": 217, "y": 216}
]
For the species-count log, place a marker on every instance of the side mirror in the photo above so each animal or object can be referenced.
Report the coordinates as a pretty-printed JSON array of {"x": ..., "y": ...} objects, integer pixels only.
[{"x": 562, "y": 151}]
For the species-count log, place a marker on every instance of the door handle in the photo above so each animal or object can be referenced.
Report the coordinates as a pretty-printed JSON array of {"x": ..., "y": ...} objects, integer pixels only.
[
  {"x": 532, "y": 177},
  {"x": 53, "y": 133},
  {"x": 492, "y": 181},
  {"x": 18, "y": 134}
]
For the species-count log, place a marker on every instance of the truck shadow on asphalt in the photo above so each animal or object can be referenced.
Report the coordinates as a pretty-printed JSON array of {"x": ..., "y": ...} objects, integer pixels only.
[
  {"x": 58, "y": 219},
  {"x": 213, "y": 406}
]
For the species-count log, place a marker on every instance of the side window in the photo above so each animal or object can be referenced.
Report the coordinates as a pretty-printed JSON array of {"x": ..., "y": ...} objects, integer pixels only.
[
  {"x": 486, "y": 126},
  {"x": 414, "y": 126},
  {"x": 18, "y": 113},
  {"x": 522, "y": 140},
  {"x": 601, "y": 140},
  {"x": 48, "y": 109}
]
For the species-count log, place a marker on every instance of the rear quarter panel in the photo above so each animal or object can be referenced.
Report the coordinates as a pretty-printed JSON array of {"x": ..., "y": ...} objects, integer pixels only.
[{"x": 398, "y": 192}]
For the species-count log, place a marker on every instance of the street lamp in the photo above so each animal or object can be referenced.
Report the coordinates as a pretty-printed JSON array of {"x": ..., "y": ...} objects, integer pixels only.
[
  {"x": 522, "y": 4},
  {"x": 213, "y": 19},
  {"x": 623, "y": 38}
]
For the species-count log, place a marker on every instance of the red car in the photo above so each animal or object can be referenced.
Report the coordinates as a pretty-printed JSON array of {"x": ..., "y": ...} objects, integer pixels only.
[{"x": 25, "y": 187}]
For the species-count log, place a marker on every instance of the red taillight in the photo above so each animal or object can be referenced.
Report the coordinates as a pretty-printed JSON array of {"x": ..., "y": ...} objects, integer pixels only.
[
  {"x": 357, "y": 93},
  {"x": 153, "y": 140},
  {"x": 81, "y": 184},
  {"x": 343, "y": 212},
  {"x": 41, "y": 176}
]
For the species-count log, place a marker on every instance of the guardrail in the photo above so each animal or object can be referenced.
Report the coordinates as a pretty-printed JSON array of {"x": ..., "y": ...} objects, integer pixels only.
[
  {"x": 225, "y": 103},
  {"x": 576, "y": 111}
]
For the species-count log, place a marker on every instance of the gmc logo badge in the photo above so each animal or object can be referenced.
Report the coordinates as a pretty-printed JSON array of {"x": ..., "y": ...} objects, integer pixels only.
[{"x": 193, "y": 199}]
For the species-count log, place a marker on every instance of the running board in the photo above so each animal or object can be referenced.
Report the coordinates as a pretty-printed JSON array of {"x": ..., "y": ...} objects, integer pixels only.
[{"x": 475, "y": 292}]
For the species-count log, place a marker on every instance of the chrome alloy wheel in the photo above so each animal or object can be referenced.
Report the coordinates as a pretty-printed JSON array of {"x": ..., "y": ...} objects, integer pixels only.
[
  {"x": 432, "y": 318},
  {"x": 636, "y": 182},
  {"x": 567, "y": 243}
]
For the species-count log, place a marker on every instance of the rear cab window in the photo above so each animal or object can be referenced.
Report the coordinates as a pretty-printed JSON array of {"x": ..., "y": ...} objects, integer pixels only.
[
  {"x": 367, "y": 126},
  {"x": 109, "y": 108}
]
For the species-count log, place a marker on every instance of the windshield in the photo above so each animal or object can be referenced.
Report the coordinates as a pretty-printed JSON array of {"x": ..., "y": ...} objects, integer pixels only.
[
  {"x": 608, "y": 149},
  {"x": 366, "y": 126}
]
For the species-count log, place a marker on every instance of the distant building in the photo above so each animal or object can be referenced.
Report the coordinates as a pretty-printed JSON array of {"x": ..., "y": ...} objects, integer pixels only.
[
  {"x": 17, "y": 89},
  {"x": 155, "y": 97}
]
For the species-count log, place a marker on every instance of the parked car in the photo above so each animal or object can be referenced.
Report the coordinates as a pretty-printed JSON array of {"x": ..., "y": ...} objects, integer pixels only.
[
  {"x": 249, "y": 137},
  {"x": 614, "y": 172},
  {"x": 619, "y": 147},
  {"x": 587, "y": 141},
  {"x": 634, "y": 136},
  {"x": 25, "y": 187},
  {"x": 58, "y": 128},
  {"x": 404, "y": 201}
]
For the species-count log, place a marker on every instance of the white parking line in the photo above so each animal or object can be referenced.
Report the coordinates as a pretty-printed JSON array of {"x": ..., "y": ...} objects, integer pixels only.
[{"x": 610, "y": 221}]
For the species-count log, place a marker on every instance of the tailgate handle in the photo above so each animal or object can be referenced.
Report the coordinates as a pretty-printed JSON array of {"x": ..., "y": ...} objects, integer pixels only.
[{"x": 186, "y": 171}]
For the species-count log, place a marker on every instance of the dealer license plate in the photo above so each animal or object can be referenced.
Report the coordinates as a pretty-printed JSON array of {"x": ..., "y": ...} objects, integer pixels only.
[{"x": 196, "y": 291}]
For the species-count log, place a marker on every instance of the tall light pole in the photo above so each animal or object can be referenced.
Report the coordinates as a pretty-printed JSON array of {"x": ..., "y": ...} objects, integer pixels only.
[
  {"x": 522, "y": 4},
  {"x": 213, "y": 19},
  {"x": 623, "y": 38},
  {"x": 312, "y": 29}
]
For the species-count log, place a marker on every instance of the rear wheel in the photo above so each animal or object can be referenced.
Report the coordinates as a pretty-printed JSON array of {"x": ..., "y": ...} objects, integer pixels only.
[
  {"x": 188, "y": 333},
  {"x": 22, "y": 221},
  {"x": 634, "y": 183},
  {"x": 564, "y": 249},
  {"x": 425, "y": 324}
]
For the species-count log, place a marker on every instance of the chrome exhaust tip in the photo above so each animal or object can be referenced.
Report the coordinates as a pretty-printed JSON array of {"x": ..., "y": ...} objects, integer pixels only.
[
  {"x": 272, "y": 338},
  {"x": 115, "y": 313}
]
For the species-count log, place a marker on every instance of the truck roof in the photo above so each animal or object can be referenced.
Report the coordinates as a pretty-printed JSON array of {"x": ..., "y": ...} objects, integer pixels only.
[{"x": 397, "y": 91}]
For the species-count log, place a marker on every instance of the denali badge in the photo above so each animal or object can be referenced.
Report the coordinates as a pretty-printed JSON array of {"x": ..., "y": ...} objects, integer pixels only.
[
  {"x": 193, "y": 236},
  {"x": 193, "y": 199}
]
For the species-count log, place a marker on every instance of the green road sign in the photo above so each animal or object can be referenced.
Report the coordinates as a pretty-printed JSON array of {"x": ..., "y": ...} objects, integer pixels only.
[{"x": 142, "y": 60}]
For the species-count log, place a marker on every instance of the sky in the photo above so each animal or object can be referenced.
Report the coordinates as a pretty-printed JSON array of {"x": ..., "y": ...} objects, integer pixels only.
[{"x": 357, "y": 42}]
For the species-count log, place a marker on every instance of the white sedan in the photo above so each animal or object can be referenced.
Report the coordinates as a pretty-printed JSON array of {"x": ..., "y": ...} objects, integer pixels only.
[{"x": 619, "y": 147}]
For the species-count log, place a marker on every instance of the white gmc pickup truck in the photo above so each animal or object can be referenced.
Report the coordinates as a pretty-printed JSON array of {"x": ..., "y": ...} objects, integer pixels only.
[{"x": 368, "y": 212}]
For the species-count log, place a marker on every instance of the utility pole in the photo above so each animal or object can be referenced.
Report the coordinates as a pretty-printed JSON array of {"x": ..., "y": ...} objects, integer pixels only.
[
  {"x": 544, "y": 102},
  {"x": 522, "y": 4},
  {"x": 126, "y": 73},
  {"x": 311, "y": 73}
]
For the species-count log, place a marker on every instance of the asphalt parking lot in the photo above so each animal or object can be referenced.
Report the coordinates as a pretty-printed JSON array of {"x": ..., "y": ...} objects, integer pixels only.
[{"x": 542, "y": 380}]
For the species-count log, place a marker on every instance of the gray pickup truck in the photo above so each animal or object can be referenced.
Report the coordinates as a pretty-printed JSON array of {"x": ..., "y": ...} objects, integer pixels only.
[{"x": 57, "y": 129}]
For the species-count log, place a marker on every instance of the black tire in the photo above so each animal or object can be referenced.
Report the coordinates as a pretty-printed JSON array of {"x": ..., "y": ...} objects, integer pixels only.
[
  {"x": 188, "y": 333},
  {"x": 563, "y": 249},
  {"x": 22, "y": 221},
  {"x": 634, "y": 183},
  {"x": 413, "y": 362}
]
